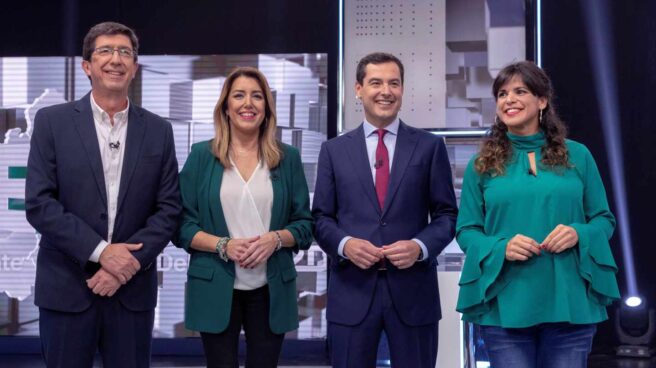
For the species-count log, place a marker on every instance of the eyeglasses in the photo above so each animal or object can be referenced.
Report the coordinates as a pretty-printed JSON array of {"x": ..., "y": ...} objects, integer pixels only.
[{"x": 106, "y": 51}]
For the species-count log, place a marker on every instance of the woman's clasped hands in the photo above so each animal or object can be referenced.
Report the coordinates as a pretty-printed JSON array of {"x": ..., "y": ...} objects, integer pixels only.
[
  {"x": 252, "y": 252},
  {"x": 521, "y": 247}
]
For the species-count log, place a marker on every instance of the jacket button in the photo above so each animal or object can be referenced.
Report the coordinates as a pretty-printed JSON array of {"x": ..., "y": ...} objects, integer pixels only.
[{"x": 383, "y": 223}]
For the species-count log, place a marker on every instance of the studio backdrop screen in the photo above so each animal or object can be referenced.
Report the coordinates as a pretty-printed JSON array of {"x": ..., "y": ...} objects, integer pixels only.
[
  {"x": 451, "y": 50},
  {"x": 183, "y": 90}
]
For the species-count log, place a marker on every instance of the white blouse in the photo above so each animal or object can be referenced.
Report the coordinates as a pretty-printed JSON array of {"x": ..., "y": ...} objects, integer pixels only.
[{"x": 247, "y": 210}]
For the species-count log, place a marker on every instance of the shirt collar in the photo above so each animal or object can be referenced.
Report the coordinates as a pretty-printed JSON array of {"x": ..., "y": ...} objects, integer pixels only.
[
  {"x": 370, "y": 129},
  {"x": 101, "y": 116}
]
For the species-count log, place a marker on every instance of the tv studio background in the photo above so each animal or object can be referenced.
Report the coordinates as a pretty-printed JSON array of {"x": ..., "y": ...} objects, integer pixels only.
[{"x": 600, "y": 55}]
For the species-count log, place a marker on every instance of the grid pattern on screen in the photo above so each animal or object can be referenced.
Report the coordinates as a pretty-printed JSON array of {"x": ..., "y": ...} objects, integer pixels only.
[{"x": 451, "y": 51}]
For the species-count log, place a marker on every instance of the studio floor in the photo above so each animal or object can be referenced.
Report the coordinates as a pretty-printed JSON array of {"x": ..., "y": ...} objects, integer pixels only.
[{"x": 34, "y": 361}]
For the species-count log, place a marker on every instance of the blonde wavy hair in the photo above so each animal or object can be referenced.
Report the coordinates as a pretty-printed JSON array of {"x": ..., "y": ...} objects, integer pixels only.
[{"x": 269, "y": 147}]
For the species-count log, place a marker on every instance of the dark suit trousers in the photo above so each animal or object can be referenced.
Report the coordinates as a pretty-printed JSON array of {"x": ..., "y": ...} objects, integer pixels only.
[
  {"x": 357, "y": 346},
  {"x": 250, "y": 309},
  {"x": 71, "y": 340}
]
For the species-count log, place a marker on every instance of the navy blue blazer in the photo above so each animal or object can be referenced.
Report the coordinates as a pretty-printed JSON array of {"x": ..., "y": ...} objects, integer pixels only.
[
  {"x": 66, "y": 202},
  {"x": 420, "y": 203}
]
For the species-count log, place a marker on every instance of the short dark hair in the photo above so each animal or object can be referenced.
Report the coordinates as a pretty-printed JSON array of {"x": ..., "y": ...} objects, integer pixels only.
[
  {"x": 107, "y": 29},
  {"x": 376, "y": 58}
]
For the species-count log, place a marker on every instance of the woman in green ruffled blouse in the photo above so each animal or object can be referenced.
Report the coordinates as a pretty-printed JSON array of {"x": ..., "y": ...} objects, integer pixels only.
[{"x": 534, "y": 224}]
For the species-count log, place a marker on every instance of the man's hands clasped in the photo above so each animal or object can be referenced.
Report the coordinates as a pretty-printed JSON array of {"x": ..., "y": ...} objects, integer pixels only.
[
  {"x": 118, "y": 267},
  {"x": 362, "y": 253},
  {"x": 402, "y": 254},
  {"x": 103, "y": 283}
]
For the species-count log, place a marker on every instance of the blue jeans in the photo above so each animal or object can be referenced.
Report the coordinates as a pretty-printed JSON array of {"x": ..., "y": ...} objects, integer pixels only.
[{"x": 547, "y": 345}]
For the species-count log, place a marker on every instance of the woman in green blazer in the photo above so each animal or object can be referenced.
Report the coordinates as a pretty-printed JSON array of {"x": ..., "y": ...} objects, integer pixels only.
[
  {"x": 534, "y": 224},
  {"x": 246, "y": 209}
]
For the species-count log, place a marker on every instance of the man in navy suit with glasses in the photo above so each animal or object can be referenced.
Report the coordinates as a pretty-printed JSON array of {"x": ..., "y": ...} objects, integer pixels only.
[{"x": 102, "y": 189}]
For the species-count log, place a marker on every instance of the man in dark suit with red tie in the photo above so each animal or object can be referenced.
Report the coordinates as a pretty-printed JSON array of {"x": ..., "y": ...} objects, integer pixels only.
[
  {"x": 102, "y": 189},
  {"x": 384, "y": 208}
]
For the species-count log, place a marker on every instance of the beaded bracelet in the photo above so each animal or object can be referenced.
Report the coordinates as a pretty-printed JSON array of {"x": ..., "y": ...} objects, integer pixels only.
[
  {"x": 221, "y": 246},
  {"x": 279, "y": 245}
]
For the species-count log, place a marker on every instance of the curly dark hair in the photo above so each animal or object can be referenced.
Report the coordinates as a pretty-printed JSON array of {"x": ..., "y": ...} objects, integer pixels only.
[{"x": 496, "y": 148}]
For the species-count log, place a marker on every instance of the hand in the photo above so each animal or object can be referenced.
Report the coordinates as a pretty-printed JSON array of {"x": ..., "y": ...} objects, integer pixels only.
[
  {"x": 562, "y": 237},
  {"x": 362, "y": 253},
  {"x": 118, "y": 260},
  {"x": 521, "y": 248},
  {"x": 403, "y": 253},
  {"x": 103, "y": 283},
  {"x": 259, "y": 251},
  {"x": 236, "y": 248}
]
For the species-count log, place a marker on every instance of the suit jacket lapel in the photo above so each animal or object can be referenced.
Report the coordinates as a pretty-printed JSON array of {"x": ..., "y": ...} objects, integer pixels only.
[
  {"x": 357, "y": 150},
  {"x": 406, "y": 141},
  {"x": 278, "y": 217},
  {"x": 277, "y": 214},
  {"x": 83, "y": 118},
  {"x": 216, "y": 211},
  {"x": 134, "y": 140}
]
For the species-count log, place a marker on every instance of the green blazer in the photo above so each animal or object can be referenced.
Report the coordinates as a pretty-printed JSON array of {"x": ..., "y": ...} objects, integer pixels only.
[{"x": 210, "y": 280}]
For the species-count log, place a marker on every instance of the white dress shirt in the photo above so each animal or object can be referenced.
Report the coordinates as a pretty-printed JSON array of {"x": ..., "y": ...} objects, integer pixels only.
[
  {"x": 247, "y": 209},
  {"x": 371, "y": 140},
  {"x": 111, "y": 141}
]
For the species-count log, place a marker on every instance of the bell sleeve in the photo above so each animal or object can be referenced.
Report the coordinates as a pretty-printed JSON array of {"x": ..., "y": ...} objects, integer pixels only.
[
  {"x": 481, "y": 278},
  {"x": 597, "y": 265}
]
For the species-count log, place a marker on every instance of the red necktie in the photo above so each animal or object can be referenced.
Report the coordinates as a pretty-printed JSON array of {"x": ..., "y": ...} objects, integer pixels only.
[{"x": 382, "y": 168}]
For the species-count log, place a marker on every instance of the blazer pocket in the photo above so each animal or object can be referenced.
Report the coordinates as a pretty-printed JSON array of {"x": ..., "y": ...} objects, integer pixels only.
[
  {"x": 289, "y": 274},
  {"x": 200, "y": 272}
]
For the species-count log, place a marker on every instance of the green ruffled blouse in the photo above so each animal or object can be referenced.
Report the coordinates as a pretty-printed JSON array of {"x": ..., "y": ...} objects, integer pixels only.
[{"x": 574, "y": 286}]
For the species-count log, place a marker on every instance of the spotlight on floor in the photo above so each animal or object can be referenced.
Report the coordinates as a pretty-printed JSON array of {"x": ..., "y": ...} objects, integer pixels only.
[
  {"x": 633, "y": 301},
  {"x": 635, "y": 327}
]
